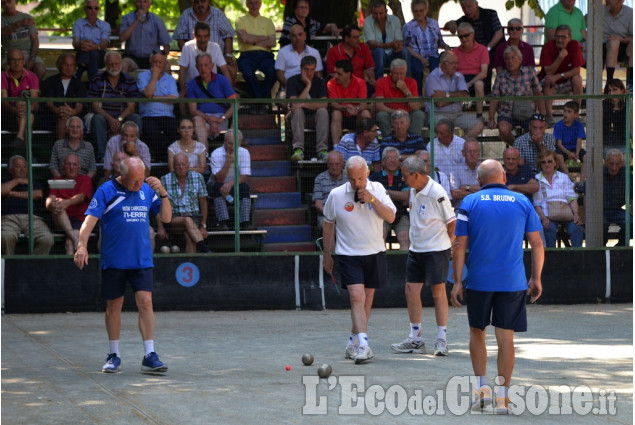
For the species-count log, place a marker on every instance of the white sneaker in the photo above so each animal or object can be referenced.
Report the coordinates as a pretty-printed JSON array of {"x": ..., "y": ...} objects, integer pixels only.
[
  {"x": 408, "y": 345},
  {"x": 482, "y": 399},
  {"x": 363, "y": 354},
  {"x": 441, "y": 348},
  {"x": 351, "y": 352}
]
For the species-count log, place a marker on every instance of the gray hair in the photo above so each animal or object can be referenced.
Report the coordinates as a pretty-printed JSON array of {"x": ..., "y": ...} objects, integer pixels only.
[
  {"x": 15, "y": 158},
  {"x": 513, "y": 49},
  {"x": 446, "y": 122},
  {"x": 74, "y": 117},
  {"x": 398, "y": 63},
  {"x": 465, "y": 26},
  {"x": 180, "y": 154},
  {"x": 356, "y": 160},
  {"x": 611, "y": 152},
  {"x": 423, "y": 2},
  {"x": 230, "y": 133},
  {"x": 130, "y": 124},
  {"x": 398, "y": 114},
  {"x": 203, "y": 55},
  {"x": 564, "y": 27},
  {"x": 125, "y": 167},
  {"x": 414, "y": 164},
  {"x": 513, "y": 21},
  {"x": 111, "y": 53},
  {"x": 384, "y": 154}
]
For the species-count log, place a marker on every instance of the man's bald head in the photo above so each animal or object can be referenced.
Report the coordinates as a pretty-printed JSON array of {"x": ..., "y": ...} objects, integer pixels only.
[{"x": 491, "y": 171}]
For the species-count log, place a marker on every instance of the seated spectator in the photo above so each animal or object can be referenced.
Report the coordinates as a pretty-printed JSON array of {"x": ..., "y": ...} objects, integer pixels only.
[
  {"x": 520, "y": 178},
  {"x": 448, "y": 147},
  {"x": 223, "y": 180},
  {"x": 191, "y": 49},
  {"x": 334, "y": 176},
  {"x": 357, "y": 53},
  {"x": 108, "y": 116},
  {"x": 401, "y": 138},
  {"x": 67, "y": 206},
  {"x": 345, "y": 85},
  {"x": 300, "y": 16},
  {"x": 362, "y": 143},
  {"x": 445, "y": 82},
  {"x": 195, "y": 151},
  {"x": 515, "y": 31},
  {"x": 114, "y": 169},
  {"x": 390, "y": 177},
  {"x": 188, "y": 197},
  {"x": 18, "y": 82},
  {"x": 560, "y": 60},
  {"x": 422, "y": 37},
  {"x": 127, "y": 142},
  {"x": 614, "y": 118},
  {"x": 382, "y": 33},
  {"x": 288, "y": 62},
  {"x": 398, "y": 86},
  {"x": 222, "y": 32},
  {"x": 15, "y": 210},
  {"x": 565, "y": 13},
  {"x": 516, "y": 81},
  {"x": 569, "y": 134},
  {"x": 615, "y": 195},
  {"x": 91, "y": 37},
  {"x": 439, "y": 176},
  {"x": 144, "y": 33},
  {"x": 209, "y": 118},
  {"x": 308, "y": 85},
  {"x": 473, "y": 62},
  {"x": 532, "y": 143},
  {"x": 556, "y": 202},
  {"x": 159, "y": 123},
  {"x": 256, "y": 37},
  {"x": 618, "y": 38},
  {"x": 19, "y": 32},
  {"x": 64, "y": 84},
  {"x": 73, "y": 143},
  {"x": 464, "y": 178}
]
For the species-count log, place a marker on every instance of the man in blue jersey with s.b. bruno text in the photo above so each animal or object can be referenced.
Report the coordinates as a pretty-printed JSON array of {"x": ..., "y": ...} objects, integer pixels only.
[
  {"x": 493, "y": 222},
  {"x": 124, "y": 205}
]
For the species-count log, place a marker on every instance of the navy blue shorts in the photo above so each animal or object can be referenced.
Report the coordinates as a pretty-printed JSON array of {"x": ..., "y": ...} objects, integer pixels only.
[
  {"x": 430, "y": 268},
  {"x": 370, "y": 270},
  {"x": 113, "y": 281},
  {"x": 75, "y": 223},
  {"x": 505, "y": 310}
]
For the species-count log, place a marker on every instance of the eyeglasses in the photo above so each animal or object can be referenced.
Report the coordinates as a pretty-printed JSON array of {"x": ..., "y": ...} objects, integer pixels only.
[
  {"x": 92, "y": 7},
  {"x": 547, "y": 161},
  {"x": 514, "y": 28},
  {"x": 537, "y": 117},
  {"x": 462, "y": 36}
]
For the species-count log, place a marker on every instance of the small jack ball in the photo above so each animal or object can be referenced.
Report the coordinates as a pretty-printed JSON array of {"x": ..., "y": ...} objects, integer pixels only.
[{"x": 288, "y": 367}]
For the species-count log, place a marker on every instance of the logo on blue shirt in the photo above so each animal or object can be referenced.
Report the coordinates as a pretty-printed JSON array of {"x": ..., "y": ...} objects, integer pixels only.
[{"x": 143, "y": 195}]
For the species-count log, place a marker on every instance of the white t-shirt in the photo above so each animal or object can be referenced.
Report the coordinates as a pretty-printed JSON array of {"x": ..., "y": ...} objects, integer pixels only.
[
  {"x": 430, "y": 212},
  {"x": 188, "y": 58},
  {"x": 359, "y": 229},
  {"x": 288, "y": 60}
]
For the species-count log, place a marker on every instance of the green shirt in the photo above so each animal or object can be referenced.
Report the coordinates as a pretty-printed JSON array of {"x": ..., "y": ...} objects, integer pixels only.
[{"x": 558, "y": 15}]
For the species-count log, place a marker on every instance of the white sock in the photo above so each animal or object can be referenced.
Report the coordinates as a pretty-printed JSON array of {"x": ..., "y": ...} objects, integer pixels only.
[
  {"x": 441, "y": 330},
  {"x": 114, "y": 346},
  {"x": 363, "y": 339},
  {"x": 352, "y": 340},
  {"x": 481, "y": 382},
  {"x": 415, "y": 332},
  {"x": 149, "y": 346}
]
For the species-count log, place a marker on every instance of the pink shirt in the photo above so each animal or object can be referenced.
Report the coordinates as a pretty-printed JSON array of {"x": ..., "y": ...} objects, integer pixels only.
[
  {"x": 470, "y": 62},
  {"x": 14, "y": 88}
]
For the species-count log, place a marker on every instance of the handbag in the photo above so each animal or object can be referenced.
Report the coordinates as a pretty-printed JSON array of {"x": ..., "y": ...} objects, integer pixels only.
[
  {"x": 559, "y": 211},
  {"x": 522, "y": 110}
]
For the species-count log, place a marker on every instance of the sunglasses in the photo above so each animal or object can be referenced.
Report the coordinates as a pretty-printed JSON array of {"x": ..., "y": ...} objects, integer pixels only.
[
  {"x": 92, "y": 7},
  {"x": 548, "y": 161},
  {"x": 464, "y": 36},
  {"x": 514, "y": 28},
  {"x": 537, "y": 117}
]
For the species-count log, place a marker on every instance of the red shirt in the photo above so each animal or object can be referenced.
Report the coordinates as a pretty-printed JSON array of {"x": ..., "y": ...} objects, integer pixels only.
[
  {"x": 362, "y": 59},
  {"x": 549, "y": 54},
  {"x": 385, "y": 88},
  {"x": 355, "y": 90},
  {"x": 83, "y": 185},
  {"x": 470, "y": 62}
]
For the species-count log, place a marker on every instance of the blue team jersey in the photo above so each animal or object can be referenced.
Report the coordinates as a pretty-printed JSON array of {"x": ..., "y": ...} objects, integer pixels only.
[
  {"x": 495, "y": 221},
  {"x": 125, "y": 224}
]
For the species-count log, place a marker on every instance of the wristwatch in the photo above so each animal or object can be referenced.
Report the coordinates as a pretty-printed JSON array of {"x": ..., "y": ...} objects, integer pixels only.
[
  {"x": 372, "y": 198},
  {"x": 447, "y": 94},
  {"x": 467, "y": 187},
  {"x": 223, "y": 118},
  {"x": 162, "y": 196},
  {"x": 408, "y": 94},
  {"x": 562, "y": 75}
]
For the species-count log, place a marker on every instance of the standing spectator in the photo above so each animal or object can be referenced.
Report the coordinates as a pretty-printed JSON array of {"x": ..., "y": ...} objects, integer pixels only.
[
  {"x": 473, "y": 62},
  {"x": 15, "y": 210},
  {"x": 356, "y": 212},
  {"x": 438, "y": 176},
  {"x": 520, "y": 178},
  {"x": 308, "y": 85},
  {"x": 126, "y": 259},
  {"x": 431, "y": 233},
  {"x": 91, "y": 37},
  {"x": 223, "y": 181},
  {"x": 108, "y": 116},
  {"x": 513, "y": 81},
  {"x": 448, "y": 147},
  {"x": 422, "y": 37},
  {"x": 127, "y": 142},
  {"x": 144, "y": 33},
  {"x": 464, "y": 178},
  {"x": 159, "y": 123},
  {"x": 401, "y": 138},
  {"x": 188, "y": 198},
  {"x": 209, "y": 118},
  {"x": 494, "y": 233},
  {"x": 362, "y": 143},
  {"x": 256, "y": 37},
  {"x": 391, "y": 178},
  {"x": 565, "y": 13},
  {"x": 288, "y": 62},
  {"x": 615, "y": 195},
  {"x": 64, "y": 84},
  {"x": 195, "y": 151},
  {"x": 398, "y": 85},
  {"x": 515, "y": 31},
  {"x": 382, "y": 33},
  {"x": 326, "y": 181},
  {"x": 618, "y": 38},
  {"x": 357, "y": 53},
  {"x": 311, "y": 27},
  {"x": 19, "y": 32},
  {"x": 67, "y": 206},
  {"x": 18, "y": 82},
  {"x": 614, "y": 116},
  {"x": 345, "y": 85},
  {"x": 561, "y": 60},
  {"x": 73, "y": 143}
]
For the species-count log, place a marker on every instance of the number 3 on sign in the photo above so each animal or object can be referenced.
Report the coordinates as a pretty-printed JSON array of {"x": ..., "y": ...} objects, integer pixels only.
[{"x": 187, "y": 274}]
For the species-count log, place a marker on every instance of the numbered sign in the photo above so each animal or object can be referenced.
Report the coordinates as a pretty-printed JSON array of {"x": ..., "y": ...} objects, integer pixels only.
[{"x": 187, "y": 274}]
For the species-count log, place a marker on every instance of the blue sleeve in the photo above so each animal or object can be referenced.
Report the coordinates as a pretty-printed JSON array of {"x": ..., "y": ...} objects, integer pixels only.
[
  {"x": 532, "y": 223},
  {"x": 581, "y": 132},
  {"x": 155, "y": 200},
  {"x": 461, "y": 221},
  {"x": 143, "y": 79},
  {"x": 557, "y": 130},
  {"x": 125, "y": 22},
  {"x": 97, "y": 205},
  {"x": 171, "y": 87}
]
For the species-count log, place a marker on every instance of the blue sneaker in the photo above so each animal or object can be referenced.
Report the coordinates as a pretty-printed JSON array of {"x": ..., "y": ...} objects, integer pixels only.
[
  {"x": 112, "y": 364},
  {"x": 152, "y": 364}
]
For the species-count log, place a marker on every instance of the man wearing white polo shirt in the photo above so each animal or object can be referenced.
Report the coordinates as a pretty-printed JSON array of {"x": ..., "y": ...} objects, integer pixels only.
[
  {"x": 432, "y": 223},
  {"x": 290, "y": 56},
  {"x": 356, "y": 211}
]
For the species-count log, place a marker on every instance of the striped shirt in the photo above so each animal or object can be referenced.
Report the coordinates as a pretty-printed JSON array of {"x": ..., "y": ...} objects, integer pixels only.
[
  {"x": 185, "y": 203},
  {"x": 100, "y": 87},
  {"x": 85, "y": 152},
  {"x": 348, "y": 147},
  {"x": 220, "y": 28},
  {"x": 412, "y": 144}
]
